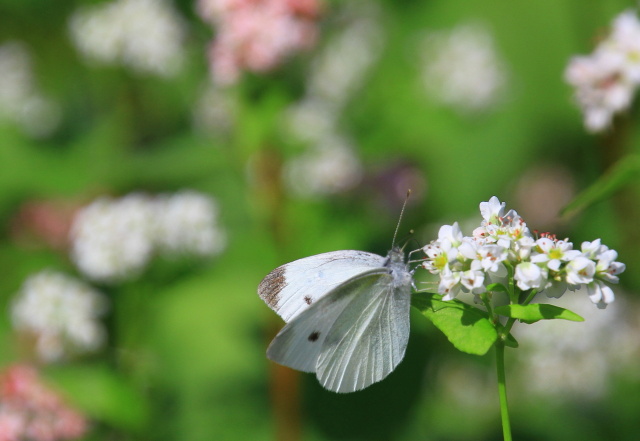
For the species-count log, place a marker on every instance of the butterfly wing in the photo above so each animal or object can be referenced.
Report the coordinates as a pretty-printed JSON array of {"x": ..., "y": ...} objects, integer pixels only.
[
  {"x": 292, "y": 288},
  {"x": 299, "y": 343},
  {"x": 369, "y": 338}
]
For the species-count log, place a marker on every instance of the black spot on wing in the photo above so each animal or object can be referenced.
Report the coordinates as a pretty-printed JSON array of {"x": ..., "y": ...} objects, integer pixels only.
[
  {"x": 313, "y": 336},
  {"x": 308, "y": 300},
  {"x": 271, "y": 286}
]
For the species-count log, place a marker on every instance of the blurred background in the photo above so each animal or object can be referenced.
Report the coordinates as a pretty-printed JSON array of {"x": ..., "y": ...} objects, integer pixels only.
[{"x": 159, "y": 157}]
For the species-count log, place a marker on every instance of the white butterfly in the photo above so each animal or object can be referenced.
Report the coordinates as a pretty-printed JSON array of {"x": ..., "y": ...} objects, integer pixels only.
[{"x": 347, "y": 315}]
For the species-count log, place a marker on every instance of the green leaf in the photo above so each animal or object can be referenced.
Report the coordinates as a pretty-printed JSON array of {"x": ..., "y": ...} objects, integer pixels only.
[
  {"x": 101, "y": 394},
  {"x": 510, "y": 341},
  {"x": 467, "y": 328},
  {"x": 618, "y": 175},
  {"x": 497, "y": 287},
  {"x": 537, "y": 311}
]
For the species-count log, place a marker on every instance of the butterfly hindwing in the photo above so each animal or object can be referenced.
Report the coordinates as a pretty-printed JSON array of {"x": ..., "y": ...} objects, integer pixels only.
[
  {"x": 292, "y": 288},
  {"x": 368, "y": 339}
]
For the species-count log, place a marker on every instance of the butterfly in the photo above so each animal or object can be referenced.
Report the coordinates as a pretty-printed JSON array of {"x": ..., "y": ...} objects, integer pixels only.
[{"x": 346, "y": 314}]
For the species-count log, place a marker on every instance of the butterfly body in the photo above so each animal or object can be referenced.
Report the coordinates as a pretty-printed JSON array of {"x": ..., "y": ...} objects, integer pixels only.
[{"x": 347, "y": 315}]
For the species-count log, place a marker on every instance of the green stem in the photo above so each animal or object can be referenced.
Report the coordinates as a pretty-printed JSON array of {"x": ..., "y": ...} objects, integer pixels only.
[{"x": 502, "y": 391}]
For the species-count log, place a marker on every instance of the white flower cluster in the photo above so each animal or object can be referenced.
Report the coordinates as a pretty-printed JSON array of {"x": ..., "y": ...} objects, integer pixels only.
[
  {"x": 20, "y": 100},
  {"x": 470, "y": 264},
  {"x": 113, "y": 239},
  {"x": 61, "y": 313},
  {"x": 330, "y": 165},
  {"x": 450, "y": 56},
  {"x": 145, "y": 35},
  {"x": 606, "y": 80}
]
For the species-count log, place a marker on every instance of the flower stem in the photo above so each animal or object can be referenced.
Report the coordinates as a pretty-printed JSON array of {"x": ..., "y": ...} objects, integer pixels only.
[{"x": 502, "y": 391}]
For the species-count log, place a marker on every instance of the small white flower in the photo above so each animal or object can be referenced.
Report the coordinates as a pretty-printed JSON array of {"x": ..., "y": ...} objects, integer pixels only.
[
  {"x": 61, "y": 313},
  {"x": 450, "y": 234},
  {"x": 449, "y": 56},
  {"x": 331, "y": 166},
  {"x": 600, "y": 294},
  {"x": 21, "y": 102},
  {"x": 554, "y": 253},
  {"x": 580, "y": 271},
  {"x": 473, "y": 281},
  {"x": 113, "y": 238},
  {"x": 145, "y": 35},
  {"x": 530, "y": 276},
  {"x": 522, "y": 247},
  {"x": 593, "y": 249},
  {"x": 449, "y": 283},
  {"x": 492, "y": 211},
  {"x": 186, "y": 223},
  {"x": 492, "y": 257},
  {"x": 439, "y": 256},
  {"x": 606, "y": 81}
]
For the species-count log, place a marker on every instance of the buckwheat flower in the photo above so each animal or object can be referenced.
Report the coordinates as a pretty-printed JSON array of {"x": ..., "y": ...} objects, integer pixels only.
[
  {"x": 625, "y": 40},
  {"x": 491, "y": 258},
  {"x": 492, "y": 211},
  {"x": 21, "y": 102},
  {"x": 61, "y": 313},
  {"x": 530, "y": 276},
  {"x": 112, "y": 239},
  {"x": 451, "y": 234},
  {"x": 600, "y": 293},
  {"x": 448, "y": 58},
  {"x": 329, "y": 167},
  {"x": 187, "y": 223},
  {"x": 580, "y": 271},
  {"x": 592, "y": 250},
  {"x": 257, "y": 36},
  {"x": 606, "y": 81},
  {"x": 450, "y": 283},
  {"x": 553, "y": 253},
  {"x": 31, "y": 411},
  {"x": 439, "y": 256},
  {"x": 341, "y": 68},
  {"x": 144, "y": 35},
  {"x": 522, "y": 248},
  {"x": 473, "y": 281},
  {"x": 600, "y": 90}
]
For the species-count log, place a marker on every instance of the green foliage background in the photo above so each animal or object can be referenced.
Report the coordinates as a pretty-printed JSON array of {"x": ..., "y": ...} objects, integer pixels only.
[{"x": 186, "y": 358}]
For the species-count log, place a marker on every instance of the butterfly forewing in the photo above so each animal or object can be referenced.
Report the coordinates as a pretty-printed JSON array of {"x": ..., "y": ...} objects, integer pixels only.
[
  {"x": 368, "y": 339},
  {"x": 292, "y": 288},
  {"x": 299, "y": 343}
]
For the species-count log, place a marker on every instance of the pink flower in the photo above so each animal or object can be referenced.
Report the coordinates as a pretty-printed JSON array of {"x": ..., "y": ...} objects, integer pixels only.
[
  {"x": 257, "y": 35},
  {"x": 30, "y": 410}
]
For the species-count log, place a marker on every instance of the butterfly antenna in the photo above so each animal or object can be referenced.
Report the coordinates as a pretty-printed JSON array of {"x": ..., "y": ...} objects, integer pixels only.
[{"x": 400, "y": 219}]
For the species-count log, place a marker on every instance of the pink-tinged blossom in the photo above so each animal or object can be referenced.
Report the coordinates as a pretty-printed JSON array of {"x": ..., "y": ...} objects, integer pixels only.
[
  {"x": 606, "y": 80},
  {"x": 29, "y": 410},
  {"x": 257, "y": 35}
]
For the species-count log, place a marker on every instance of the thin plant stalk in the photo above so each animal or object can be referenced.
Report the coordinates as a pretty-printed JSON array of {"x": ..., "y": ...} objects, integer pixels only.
[{"x": 502, "y": 391}]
